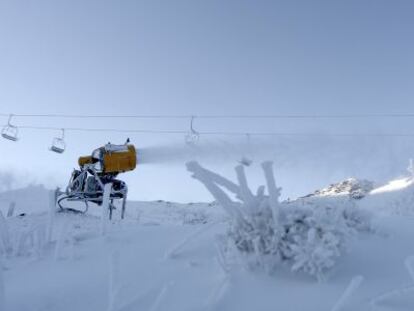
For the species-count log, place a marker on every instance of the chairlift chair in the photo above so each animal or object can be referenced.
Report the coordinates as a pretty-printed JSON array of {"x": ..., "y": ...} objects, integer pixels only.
[
  {"x": 193, "y": 136},
  {"x": 58, "y": 143},
  {"x": 10, "y": 131},
  {"x": 246, "y": 158}
]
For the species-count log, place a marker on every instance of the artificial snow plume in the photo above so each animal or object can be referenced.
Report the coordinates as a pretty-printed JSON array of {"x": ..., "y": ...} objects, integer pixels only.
[
  {"x": 203, "y": 149},
  {"x": 308, "y": 235}
]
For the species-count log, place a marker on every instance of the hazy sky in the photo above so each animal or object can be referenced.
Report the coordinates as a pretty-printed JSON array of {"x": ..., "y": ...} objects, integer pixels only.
[{"x": 210, "y": 57}]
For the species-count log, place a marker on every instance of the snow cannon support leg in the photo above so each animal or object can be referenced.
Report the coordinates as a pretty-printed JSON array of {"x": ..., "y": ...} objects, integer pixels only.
[
  {"x": 111, "y": 208},
  {"x": 123, "y": 206},
  {"x": 106, "y": 202}
]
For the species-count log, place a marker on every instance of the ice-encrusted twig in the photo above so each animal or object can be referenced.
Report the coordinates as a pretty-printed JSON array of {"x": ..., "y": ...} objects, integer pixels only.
[
  {"x": 134, "y": 301},
  {"x": 4, "y": 235},
  {"x": 60, "y": 241},
  {"x": 174, "y": 250},
  {"x": 196, "y": 168},
  {"x": 10, "y": 211},
  {"x": 224, "y": 283},
  {"x": 105, "y": 207},
  {"x": 157, "y": 302},
  {"x": 352, "y": 287},
  {"x": 2, "y": 287},
  {"x": 244, "y": 191},
  {"x": 113, "y": 284},
  {"x": 72, "y": 246},
  {"x": 21, "y": 243},
  {"x": 52, "y": 211},
  {"x": 203, "y": 176},
  {"x": 222, "y": 260},
  {"x": 33, "y": 239},
  {"x": 391, "y": 294},
  {"x": 212, "y": 182},
  {"x": 218, "y": 292},
  {"x": 409, "y": 264},
  {"x": 274, "y": 191},
  {"x": 40, "y": 240}
]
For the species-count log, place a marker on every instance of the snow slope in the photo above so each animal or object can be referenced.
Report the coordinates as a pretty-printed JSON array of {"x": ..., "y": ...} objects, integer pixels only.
[{"x": 163, "y": 257}]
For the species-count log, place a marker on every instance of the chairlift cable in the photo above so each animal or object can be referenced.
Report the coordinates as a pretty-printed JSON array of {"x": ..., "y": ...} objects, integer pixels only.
[
  {"x": 217, "y": 133},
  {"x": 279, "y": 116}
]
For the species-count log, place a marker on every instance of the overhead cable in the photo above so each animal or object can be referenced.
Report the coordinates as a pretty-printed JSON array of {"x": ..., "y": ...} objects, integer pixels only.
[
  {"x": 217, "y": 133},
  {"x": 270, "y": 116}
]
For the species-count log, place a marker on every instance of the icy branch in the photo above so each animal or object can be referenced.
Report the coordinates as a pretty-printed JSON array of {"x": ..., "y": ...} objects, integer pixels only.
[
  {"x": 5, "y": 244},
  {"x": 2, "y": 289},
  {"x": 113, "y": 284},
  {"x": 352, "y": 287},
  {"x": 52, "y": 211},
  {"x": 175, "y": 250},
  {"x": 199, "y": 171},
  {"x": 10, "y": 211},
  {"x": 409, "y": 264},
  {"x": 161, "y": 295},
  {"x": 274, "y": 192},
  {"x": 105, "y": 207},
  {"x": 245, "y": 193}
]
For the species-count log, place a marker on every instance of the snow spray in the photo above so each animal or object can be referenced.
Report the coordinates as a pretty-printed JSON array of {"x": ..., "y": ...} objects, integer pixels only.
[{"x": 217, "y": 150}]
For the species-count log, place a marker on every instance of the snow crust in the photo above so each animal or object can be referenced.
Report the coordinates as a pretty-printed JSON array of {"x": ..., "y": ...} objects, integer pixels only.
[{"x": 165, "y": 256}]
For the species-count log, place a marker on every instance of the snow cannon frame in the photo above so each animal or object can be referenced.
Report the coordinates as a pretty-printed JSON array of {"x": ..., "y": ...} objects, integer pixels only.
[{"x": 87, "y": 183}]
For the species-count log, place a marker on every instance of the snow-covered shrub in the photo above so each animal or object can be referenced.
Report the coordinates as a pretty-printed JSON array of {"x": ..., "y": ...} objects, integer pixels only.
[
  {"x": 194, "y": 217},
  {"x": 26, "y": 241},
  {"x": 307, "y": 235},
  {"x": 316, "y": 233}
]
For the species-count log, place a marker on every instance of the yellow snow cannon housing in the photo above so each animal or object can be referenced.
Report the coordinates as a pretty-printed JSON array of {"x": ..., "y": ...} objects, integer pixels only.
[
  {"x": 112, "y": 159},
  {"x": 120, "y": 161},
  {"x": 82, "y": 161}
]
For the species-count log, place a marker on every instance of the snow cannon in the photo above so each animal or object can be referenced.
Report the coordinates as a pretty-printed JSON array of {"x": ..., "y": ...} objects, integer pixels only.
[
  {"x": 95, "y": 180},
  {"x": 111, "y": 159}
]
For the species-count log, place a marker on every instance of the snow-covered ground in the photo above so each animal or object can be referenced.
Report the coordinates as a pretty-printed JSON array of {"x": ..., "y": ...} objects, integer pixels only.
[{"x": 163, "y": 256}]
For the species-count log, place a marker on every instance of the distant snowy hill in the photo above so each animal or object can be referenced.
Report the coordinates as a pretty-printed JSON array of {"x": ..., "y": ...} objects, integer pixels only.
[
  {"x": 35, "y": 199},
  {"x": 355, "y": 188},
  {"x": 31, "y": 199}
]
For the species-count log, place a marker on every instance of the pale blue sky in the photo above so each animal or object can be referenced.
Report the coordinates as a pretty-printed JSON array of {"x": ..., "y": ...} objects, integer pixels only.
[{"x": 209, "y": 57}]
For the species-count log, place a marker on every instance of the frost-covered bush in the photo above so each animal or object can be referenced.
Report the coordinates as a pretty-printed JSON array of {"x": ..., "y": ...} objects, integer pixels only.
[
  {"x": 193, "y": 217},
  {"x": 307, "y": 235},
  {"x": 28, "y": 241}
]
